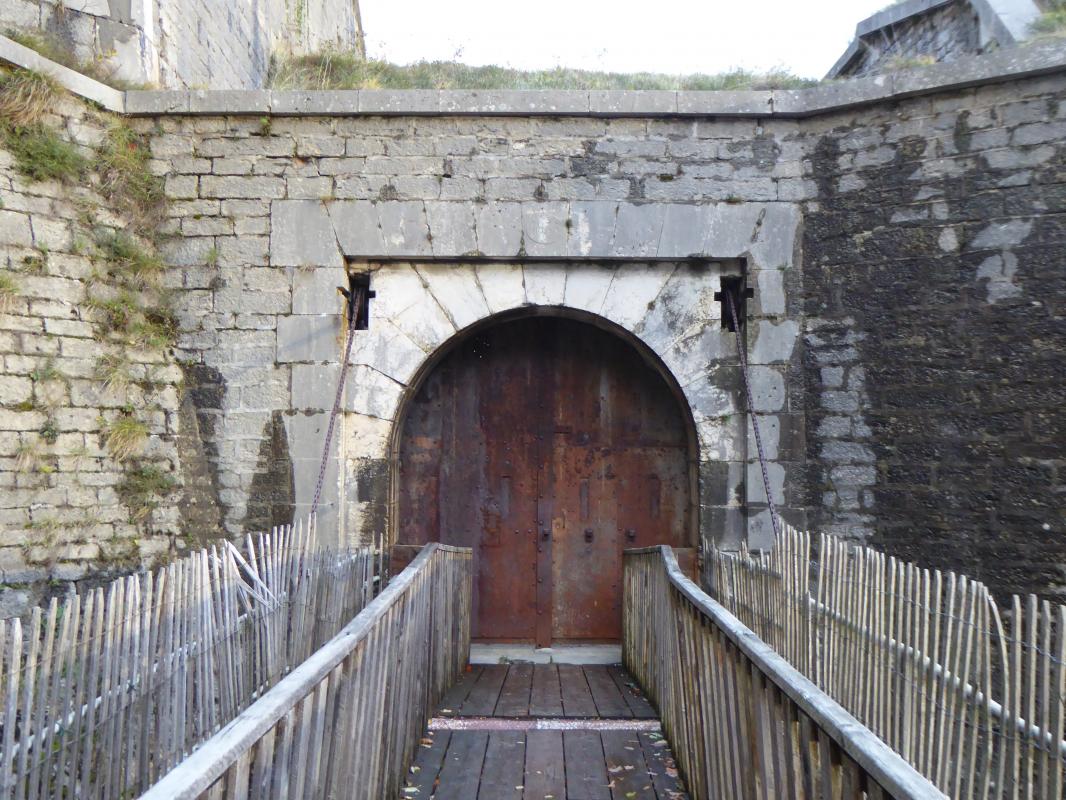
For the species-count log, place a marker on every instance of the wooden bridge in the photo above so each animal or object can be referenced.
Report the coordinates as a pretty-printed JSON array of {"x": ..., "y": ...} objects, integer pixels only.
[
  {"x": 289, "y": 672},
  {"x": 388, "y": 709}
]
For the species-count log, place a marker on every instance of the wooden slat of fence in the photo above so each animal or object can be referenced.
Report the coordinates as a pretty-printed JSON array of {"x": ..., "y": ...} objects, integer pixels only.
[
  {"x": 760, "y": 700},
  {"x": 920, "y": 656},
  {"x": 116, "y": 686},
  {"x": 344, "y": 722}
]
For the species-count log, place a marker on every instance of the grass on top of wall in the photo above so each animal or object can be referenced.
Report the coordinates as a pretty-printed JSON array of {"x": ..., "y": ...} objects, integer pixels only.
[
  {"x": 334, "y": 69},
  {"x": 1053, "y": 21}
]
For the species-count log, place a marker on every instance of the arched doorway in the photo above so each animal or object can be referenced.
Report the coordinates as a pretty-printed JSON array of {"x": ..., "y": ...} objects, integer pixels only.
[{"x": 548, "y": 445}]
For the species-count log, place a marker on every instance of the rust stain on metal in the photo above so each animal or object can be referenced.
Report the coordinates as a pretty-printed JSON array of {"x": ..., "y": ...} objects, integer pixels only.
[{"x": 548, "y": 445}]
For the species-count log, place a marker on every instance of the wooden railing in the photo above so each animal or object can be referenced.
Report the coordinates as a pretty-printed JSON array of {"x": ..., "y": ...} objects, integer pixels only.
[
  {"x": 972, "y": 694},
  {"x": 105, "y": 692},
  {"x": 346, "y": 722},
  {"x": 743, "y": 722}
]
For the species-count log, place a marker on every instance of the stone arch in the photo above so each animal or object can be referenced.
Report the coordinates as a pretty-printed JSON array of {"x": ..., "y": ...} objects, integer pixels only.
[{"x": 665, "y": 309}]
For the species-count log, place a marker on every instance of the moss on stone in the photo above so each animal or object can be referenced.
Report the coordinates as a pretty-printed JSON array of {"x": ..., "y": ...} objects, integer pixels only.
[{"x": 143, "y": 488}]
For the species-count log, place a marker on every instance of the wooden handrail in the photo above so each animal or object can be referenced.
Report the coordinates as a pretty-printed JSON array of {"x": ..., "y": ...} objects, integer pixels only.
[
  {"x": 708, "y": 637},
  {"x": 296, "y": 708}
]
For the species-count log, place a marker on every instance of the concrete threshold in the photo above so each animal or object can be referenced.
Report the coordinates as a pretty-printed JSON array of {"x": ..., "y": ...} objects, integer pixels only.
[
  {"x": 543, "y": 724},
  {"x": 559, "y": 654}
]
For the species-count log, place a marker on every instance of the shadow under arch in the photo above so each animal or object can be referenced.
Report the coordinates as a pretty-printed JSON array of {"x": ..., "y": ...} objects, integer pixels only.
[{"x": 648, "y": 356}]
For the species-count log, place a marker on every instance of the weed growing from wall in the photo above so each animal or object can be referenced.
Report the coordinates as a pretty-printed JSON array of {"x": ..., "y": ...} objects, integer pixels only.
[
  {"x": 41, "y": 155},
  {"x": 9, "y": 290},
  {"x": 125, "y": 300},
  {"x": 25, "y": 96},
  {"x": 143, "y": 488},
  {"x": 127, "y": 182},
  {"x": 126, "y": 437}
]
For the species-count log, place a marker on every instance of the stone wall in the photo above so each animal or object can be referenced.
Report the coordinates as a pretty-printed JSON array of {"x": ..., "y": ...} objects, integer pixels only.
[
  {"x": 273, "y": 212},
  {"x": 933, "y": 292},
  {"x": 944, "y": 33},
  {"x": 69, "y": 511},
  {"x": 905, "y": 335},
  {"x": 187, "y": 43}
]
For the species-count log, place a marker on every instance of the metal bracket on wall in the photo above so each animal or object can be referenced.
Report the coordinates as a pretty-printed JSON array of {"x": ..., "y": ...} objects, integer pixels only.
[
  {"x": 734, "y": 286},
  {"x": 358, "y": 296}
]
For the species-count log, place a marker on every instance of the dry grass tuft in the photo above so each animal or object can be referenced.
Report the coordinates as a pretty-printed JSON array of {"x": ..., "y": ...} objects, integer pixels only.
[
  {"x": 113, "y": 372},
  {"x": 25, "y": 96},
  {"x": 8, "y": 292},
  {"x": 127, "y": 438},
  {"x": 28, "y": 456}
]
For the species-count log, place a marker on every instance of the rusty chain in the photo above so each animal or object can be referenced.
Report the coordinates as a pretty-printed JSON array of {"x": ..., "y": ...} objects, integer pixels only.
[
  {"x": 355, "y": 304},
  {"x": 742, "y": 355}
]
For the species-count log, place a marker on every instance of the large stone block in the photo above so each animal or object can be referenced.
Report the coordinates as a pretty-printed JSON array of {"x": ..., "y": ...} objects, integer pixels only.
[
  {"x": 503, "y": 285},
  {"x": 403, "y": 299},
  {"x": 316, "y": 291},
  {"x": 638, "y": 230},
  {"x": 592, "y": 226},
  {"x": 632, "y": 292},
  {"x": 774, "y": 342},
  {"x": 239, "y": 186},
  {"x": 387, "y": 349},
  {"x": 355, "y": 223},
  {"x": 308, "y": 338},
  {"x": 499, "y": 229},
  {"x": 544, "y": 228},
  {"x": 301, "y": 235},
  {"x": 404, "y": 228},
  {"x": 451, "y": 228},
  {"x": 15, "y": 229}
]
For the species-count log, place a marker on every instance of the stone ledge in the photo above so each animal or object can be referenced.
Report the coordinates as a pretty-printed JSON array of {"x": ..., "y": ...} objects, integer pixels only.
[
  {"x": 1004, "y": 65},
  {"x": 81, "y": 85}
]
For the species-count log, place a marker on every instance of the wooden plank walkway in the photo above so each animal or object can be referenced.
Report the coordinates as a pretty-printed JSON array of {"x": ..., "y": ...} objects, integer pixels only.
[{"x": 488, "y": 742}]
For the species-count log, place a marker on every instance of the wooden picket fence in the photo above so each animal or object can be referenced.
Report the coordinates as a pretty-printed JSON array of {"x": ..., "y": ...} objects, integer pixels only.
[
  {"x": 105, "y": 692},
  {"x": 974, "y": 698},
  {"x": 346, "y": 722},
  {"x": 743, "y": 722}
]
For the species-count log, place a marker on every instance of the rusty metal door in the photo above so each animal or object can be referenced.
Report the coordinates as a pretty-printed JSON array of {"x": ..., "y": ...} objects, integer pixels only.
[{"x": 548, "y": 445}]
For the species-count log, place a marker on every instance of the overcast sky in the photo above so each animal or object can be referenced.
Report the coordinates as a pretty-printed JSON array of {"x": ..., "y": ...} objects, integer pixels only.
[{"x": 671, "y": 36}]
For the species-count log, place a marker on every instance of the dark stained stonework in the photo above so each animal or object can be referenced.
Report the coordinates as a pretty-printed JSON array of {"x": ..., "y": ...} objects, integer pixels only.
[
  {"x": 272, "y": 497},
  {"x": 935, "y": 296},
  {"x": 201, "y": 517}
]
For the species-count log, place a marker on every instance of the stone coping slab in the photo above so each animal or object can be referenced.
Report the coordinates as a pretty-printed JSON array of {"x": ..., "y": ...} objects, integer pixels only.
[
  {"x": 14, "y": 53},
  {"x": 1004, "y": 65}
]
